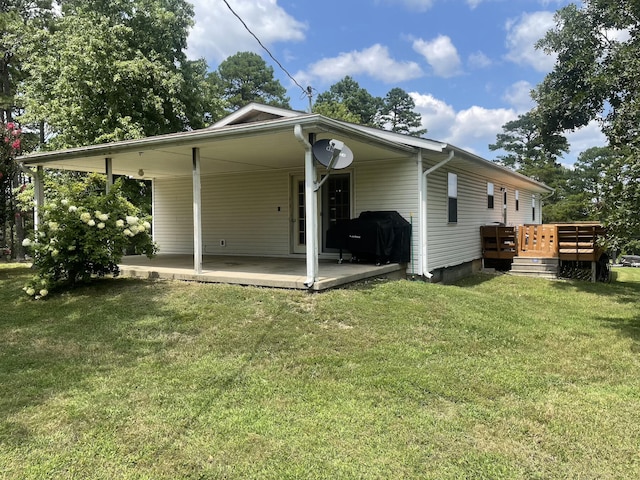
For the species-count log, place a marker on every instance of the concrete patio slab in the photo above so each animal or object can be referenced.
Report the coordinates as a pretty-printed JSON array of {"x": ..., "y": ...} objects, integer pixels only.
[{"x": 257, "y": 271}]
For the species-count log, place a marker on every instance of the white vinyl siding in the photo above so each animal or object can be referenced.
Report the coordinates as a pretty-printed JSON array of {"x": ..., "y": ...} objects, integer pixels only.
[
  {"x": 250, "y": 212},
  {"x": 390, "y": 186},
  {"x": 173, "y": 215},
  {"x": 454, "y": 244}
]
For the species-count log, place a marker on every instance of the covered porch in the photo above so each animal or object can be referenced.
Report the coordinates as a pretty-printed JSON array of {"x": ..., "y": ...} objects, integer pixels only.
[{"x": 271, "y": 272}]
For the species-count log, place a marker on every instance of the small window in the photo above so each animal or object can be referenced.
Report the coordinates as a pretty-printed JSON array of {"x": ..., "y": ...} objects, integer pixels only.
[
  {"x": 452, "y": 191},
  {"x": 489, "y": 195},
  {"x": 517, "y": 201},
  {"x": 533, "y": 208}
]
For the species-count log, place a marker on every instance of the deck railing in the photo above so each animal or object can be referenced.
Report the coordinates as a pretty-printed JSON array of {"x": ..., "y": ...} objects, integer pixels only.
[
  {"x": 537, "y": 241},
  {"x": 570, "y": 242}
]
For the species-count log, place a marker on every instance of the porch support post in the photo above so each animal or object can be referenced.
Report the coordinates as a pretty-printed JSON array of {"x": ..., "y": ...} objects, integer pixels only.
[
  {"x": 197, "y": 212},
  {"x": 38, "y": 196},
  {"x": 311, "y": 218},
  {"x": 310, "y": 208},
  {"x": 108, "y": 168}
]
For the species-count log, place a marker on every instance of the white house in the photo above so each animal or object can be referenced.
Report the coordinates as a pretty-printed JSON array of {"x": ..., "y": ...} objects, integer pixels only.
[{"x": 245, "y": 187}]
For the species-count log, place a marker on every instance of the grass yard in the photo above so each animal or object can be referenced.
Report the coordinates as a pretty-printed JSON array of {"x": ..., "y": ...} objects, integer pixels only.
[{"x": 496, "y": 377}]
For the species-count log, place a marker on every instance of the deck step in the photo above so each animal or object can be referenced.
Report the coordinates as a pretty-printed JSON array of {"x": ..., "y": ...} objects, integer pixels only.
[{"x": 535, "y": 267}]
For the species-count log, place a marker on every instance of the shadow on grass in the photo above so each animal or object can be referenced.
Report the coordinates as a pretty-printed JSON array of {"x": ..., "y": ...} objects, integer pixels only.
[
  {"x": 625, "y": 291},
  {"x": 628, "y": 327},
  {"x": 54, "y": 348},
  {"x": 51, "y": 346}
]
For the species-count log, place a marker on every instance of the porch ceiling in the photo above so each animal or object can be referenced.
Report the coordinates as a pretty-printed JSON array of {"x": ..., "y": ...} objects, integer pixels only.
[{"x": 230, "y": 150}]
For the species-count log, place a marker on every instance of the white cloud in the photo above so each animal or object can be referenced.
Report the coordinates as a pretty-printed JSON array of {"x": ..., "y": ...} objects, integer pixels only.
[
  {"x": 472, "y": 129},
  {"x": 441, "y": 54},
  {"x": 374, "y": 61},
  {"x": 418, "y": 5},
  {"x": 479, "y": 125},
  {"x": 522, "y": 35},
  {"x": 217, "y": 33},
  {"x": 518, "y": 96},
  {"x": 479, "y": 60}
]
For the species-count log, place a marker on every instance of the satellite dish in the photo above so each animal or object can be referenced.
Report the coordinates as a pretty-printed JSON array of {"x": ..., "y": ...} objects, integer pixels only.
[{"x": 333, "y": 154}]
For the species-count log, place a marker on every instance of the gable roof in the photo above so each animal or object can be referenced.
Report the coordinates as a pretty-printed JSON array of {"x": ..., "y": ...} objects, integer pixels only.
[{"x": 255, "y": 112}]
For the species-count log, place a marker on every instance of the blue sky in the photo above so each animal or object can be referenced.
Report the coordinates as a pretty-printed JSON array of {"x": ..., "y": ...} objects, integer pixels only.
[{"x": 468, "y": 64}]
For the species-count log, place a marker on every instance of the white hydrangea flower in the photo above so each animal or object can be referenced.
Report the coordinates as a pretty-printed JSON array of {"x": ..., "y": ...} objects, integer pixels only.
[
  {"x": 55, "y": 253},
  {"x": 120, "y": 223},
  {"x": 26, "y": 242},
  {"x": 128, "y": 232},
  {"x": 73, "y": 209},
  {"x": 31, "y": 291},
  {"x": 101, "y": 225},
  {"x": 132, "y": 220},
  {"x": 91, "y": 223},
  {"x": 103, "y": 217},
  {"x": 146, "y": 225},
  {"x": 53, "y": 226},
  {"x": 97, "y": 213},
  {"x": 44, "y": 292},
  {"x": 85, "y": 217},
  {"x": 64, "y": 202}
]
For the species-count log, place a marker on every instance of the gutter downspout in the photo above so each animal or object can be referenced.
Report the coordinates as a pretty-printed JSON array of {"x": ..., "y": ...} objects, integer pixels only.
[
  {"x": 423, "y": 219},
  {"x": 311, "y": 209}
]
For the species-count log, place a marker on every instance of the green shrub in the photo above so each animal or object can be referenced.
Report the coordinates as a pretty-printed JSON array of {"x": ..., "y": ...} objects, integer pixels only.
[{"x": 83, "y": 235}]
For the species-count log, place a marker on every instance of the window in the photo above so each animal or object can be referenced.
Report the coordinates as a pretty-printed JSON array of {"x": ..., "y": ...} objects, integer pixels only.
[
  {"x": 504, "y": 205},
  {"x": 452, "y": 191},
  {"x": 517, "y": 200},
  {"x": 489, "y": 195},
  {"x": 533, "y": 208}
]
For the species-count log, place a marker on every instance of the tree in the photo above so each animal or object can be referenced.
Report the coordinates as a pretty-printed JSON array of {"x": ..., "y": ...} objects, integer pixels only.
[
  {"x": 397, "y": 112},
  {"x": 534, "y": 154},
  {"x": 113, "y": 70},
  {"x": 528, "y": 150},
  {"x": 244, "y": 78},
  {"x": 357, "y": 100},
  {"x": 596, "y": 78},
  {"x": 336, "y": 111},
  {"x": 18, "y": 20}
]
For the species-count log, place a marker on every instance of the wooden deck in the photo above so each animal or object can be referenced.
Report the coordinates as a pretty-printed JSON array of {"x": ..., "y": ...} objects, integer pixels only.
[{"x": 534, "y": 244}]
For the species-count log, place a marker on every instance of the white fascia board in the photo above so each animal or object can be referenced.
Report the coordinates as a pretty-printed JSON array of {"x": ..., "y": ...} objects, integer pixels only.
[
  {"x": 310, "y": 122},
  {"x": 471, "y": 157}
]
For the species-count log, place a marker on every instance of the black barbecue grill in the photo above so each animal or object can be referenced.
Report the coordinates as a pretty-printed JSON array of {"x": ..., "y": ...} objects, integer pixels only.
[{"x": 377, "y": 237}]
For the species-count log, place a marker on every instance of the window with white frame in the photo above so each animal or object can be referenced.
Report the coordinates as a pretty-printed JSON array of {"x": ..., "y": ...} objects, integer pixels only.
[
  {"x": 490, "y": 200},
  {"x": 533, "y": 208},
  {"x": 452, "y": 194}
]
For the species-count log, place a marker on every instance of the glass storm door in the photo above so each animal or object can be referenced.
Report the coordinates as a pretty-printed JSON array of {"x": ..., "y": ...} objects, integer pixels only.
[{"x": 334, "y": 205}]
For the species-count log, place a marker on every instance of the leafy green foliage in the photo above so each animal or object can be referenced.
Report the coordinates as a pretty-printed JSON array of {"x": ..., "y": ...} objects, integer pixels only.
[
  {"x": 337, "y": 111},
  {"x": 596, "y": 78},
  {"x": 532, "y": 153},
  {"x": 357, "y": 100},
  {"x": 113, "y": 70},
  {"x": 244, "y": 78},
  {"x": 397, "y": 112},
  {"x": 85, "y": 234}
]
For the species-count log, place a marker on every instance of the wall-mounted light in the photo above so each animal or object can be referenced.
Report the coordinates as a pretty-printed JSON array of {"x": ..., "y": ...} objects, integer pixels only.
[{"x": 141, "y": 173}]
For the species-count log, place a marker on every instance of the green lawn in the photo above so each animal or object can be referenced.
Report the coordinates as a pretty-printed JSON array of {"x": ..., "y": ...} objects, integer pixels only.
[{"x": 496, "y": 377}]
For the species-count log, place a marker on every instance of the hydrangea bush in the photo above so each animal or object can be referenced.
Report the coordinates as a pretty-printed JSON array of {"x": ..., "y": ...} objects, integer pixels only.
[{"x": 83, "y": 236}]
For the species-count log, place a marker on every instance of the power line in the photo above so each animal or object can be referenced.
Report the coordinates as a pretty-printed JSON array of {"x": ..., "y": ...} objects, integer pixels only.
[{"x": 306, "y": 91}]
